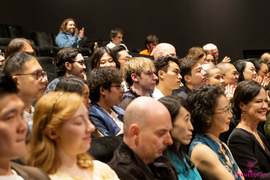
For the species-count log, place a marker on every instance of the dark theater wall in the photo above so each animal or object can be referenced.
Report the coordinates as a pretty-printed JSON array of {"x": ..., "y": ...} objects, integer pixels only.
[{"x": 233, "y": 25}]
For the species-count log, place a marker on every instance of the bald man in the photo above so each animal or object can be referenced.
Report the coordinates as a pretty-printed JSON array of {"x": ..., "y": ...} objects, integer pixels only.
[
  {"x": 163, "y": 49},
  {"x": 229, "y": 73},
  {"x": 147, "y": 123}
]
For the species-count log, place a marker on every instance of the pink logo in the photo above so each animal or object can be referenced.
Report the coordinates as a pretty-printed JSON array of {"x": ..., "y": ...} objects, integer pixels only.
[{"x": 250, "y": 165}]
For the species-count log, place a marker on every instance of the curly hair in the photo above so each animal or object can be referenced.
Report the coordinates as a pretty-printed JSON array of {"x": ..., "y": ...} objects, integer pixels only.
[
  {"x": 244, "y": 92},
  {"x": 16, "y": 45},
  {"x": 98, "y": 53},
  {"x": 65, "y": 55},
  {"x": 63, "y": 26},
  {"x": 202, "y": 103},
  {"x": 103, "y": 76}
]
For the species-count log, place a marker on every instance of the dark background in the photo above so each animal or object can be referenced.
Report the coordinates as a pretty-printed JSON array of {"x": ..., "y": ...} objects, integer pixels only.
[{"x": 233, "y": 25}]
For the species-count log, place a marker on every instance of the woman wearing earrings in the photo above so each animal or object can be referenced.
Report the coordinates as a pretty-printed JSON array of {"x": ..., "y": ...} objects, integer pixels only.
[
  {"x": 60, "y": 138},
  {"x": 211, "y": 113}
]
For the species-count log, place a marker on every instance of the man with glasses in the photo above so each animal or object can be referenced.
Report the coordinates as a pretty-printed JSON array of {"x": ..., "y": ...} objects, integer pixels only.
[
  {"x": 212, "y": 49},
  {"x": 30, "y": 79},
  {"x": 69, "y": 62}
]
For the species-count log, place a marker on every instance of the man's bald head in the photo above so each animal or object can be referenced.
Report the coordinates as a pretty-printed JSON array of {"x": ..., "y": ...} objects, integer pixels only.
[
  {"x": 140, "y": 110},
  {"x": 163, "y": 49},
  {"x": 229, "y": 73}
]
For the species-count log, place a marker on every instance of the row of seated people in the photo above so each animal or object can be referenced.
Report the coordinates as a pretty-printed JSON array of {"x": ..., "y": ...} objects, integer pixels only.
[{"x": 141, "y": 75}]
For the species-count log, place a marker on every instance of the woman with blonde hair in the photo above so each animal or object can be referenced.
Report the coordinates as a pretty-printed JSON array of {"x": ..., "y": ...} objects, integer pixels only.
[{"x": 60, "y": 138}]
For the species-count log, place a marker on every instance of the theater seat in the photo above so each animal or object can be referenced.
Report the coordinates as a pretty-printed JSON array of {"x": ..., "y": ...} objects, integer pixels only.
[
  {"x": 15, "y": 31},
  {"x": 42, "y": 39},
  {"x": 4, "y": 31},
  {"x": 48, "y": 65}
]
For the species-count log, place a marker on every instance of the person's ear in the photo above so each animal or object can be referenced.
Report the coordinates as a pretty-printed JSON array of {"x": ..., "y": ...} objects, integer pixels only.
[
  {"x": 242, "y": 106},
  {"x": 134, "y": 77},
  {"x": 102, "y": 90},
  {"x": 187, "y": 78},
  {"x": 68, "y": 65},
  {"x": 51, "y": 133},
  {"x": 17, "y": 81},
  {"x": 161, "y": 75},
  {"x": 134, "y": 132},
  {"x": 147, "y": 46}
]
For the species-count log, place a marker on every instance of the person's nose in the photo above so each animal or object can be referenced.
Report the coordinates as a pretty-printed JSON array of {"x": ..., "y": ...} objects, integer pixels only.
[
  {"x": 265, "y": 105},
  {"x": 179, "y": 76},
  {"x": 203, "y": 73},
  {"x": 190, "y": 127},
  {"x": 155, "y": 77},
  {"x": 90, "y": 127},
  {"x": 168, "y": 139},
  {"x": 22, "y": 125},
  {"x": 222, "y": 81}
]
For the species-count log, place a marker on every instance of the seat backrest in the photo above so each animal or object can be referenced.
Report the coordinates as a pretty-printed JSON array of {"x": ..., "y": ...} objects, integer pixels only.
[
  {"x": 42, "y": 39},
  {"x": 15, "y": 31},
  {"x": 4, "y": 31},
  {"x": 48, "y": 64}
]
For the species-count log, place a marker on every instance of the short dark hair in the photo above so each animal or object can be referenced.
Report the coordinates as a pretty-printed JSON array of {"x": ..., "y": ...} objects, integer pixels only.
[
  {"x": 257, "y": 63},
  {"x": 71, "y": 84},
  {"x": 102, "y": 76},
  {"x": 150, "y": 39},
  {"x": 115, "y": 31},
  {"x": 15, "y": 62},
  {"x": 117, "y": 49},
  {"x": 16, "y": 45},
  {"x": 65, "y": 55},
  {"x": 7, "y": 85},
  {"x": 186, "y": 66},
  {"x": 244, "y": 92},
  {"x": 162, "y": 63},
  {"x": 202, "y": 103},
  {"x": 240, "y": 66},
  {"x": 98, "y": 53}
]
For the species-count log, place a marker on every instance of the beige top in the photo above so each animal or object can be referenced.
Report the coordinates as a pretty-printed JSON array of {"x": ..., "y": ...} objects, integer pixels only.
[{"x": 101, "y": 171}]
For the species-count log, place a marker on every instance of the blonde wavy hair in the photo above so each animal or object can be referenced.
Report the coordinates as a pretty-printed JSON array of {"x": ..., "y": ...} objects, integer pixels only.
[
  {"x": 63, "y": 26},
  {"x": 51, "y": 111}
]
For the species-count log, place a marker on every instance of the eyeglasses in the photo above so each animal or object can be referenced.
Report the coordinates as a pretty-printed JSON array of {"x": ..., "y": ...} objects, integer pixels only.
[
  {"x": 81, "y": 62},
  {"x": 39, "y": 75},
  {"x": 227, "y": 109},
  {"x": 119, "y": 87}
]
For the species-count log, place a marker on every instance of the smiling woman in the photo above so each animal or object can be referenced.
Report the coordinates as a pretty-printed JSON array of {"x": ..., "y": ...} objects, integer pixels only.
[
  {"x": 61, "y": 137},
  {"x": 246, "y": 143}
]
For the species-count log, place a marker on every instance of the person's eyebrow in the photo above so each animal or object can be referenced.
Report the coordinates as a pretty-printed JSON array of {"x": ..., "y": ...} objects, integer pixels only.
[{"x": 14, "y": 110}]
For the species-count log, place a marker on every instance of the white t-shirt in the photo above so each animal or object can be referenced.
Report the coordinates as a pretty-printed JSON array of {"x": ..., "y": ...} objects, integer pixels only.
[
  {"x": 15, "y": 176},
  {"x": 157, "y": 94}
]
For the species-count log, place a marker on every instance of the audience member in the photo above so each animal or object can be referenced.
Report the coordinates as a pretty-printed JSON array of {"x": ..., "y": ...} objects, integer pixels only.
[
  {"x": 229, "y": 73},
  {"x": 121, "y": 55},
  {"x": 69, "y": 35},
  {"x": 146, "y": 135},
  {"x": 150, "y": 43},
  {"x": 210, "y": 112},
  {"x": 262, "y": 72},
  {"x": 106, "y": 92},
  {"x": 116, "y": 37},
  {"x": 30, "y": 79},
  {"x": 163, "y": 49},
  {"x": 213, "y": 75},
  {"x": 212, "y": 49},
  {"x": 19, "y": 44},
  {"x": 104, "y": 57},
  {"x": 2, "y": 61},
  {"x": 248, "y": 145},
  {"x": 13, "y": 128},
  {"x": 246, "y": 70},
  {"x": 210, "y": 59},
  {"x": 139, "y": 73},
  {"x": 69, "y": 62},
  {"x": 61, "y": 138},
  {"x": 181, "y": 134},
  {"x": 266, "y": 57},
  {"x": 169, "y": 77},
  {"x": 197, "y": 53},
  {"x": 193, "y": 76}
]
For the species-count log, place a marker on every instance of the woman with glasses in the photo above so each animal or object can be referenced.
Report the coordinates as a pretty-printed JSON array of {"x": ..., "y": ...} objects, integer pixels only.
[
  {"x": 210, "y": 112},
  {"x": 249, "y": 146},
  {"x": 106, "y": 92},
  {"x": 61, "y": 137}
]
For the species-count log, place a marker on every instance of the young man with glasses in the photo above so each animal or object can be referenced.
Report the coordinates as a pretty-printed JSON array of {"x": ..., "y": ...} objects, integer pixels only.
[
  {"x": 69, "y": 62},
  {"x": 30, "y": 79}
]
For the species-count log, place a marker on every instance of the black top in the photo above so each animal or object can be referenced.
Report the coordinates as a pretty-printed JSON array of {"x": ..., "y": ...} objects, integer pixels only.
[
  {"x": 247, "y": 150},
  {"x": 128, "y": 166},
  {"x": 183, "y": 92}
]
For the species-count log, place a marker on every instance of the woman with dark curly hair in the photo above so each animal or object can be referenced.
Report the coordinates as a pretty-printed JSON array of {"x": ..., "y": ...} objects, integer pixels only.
[
  {"x": 181, "y": 134},
  {"x": 249, "y": 146},
  {"x": 106, "y": 92},
  {"x": 69, "y": 35},
  {"x": 211, "y": 113},
  {"x": 104, "y": 57}
]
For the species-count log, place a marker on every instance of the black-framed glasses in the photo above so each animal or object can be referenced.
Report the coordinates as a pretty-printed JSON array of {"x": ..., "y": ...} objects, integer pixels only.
[
  {"x": 38, "y": 74},
  {"x": 227, "y": 109},
  {"x": 119, "y": 86},
  {"x": 81, "y": 62}
]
